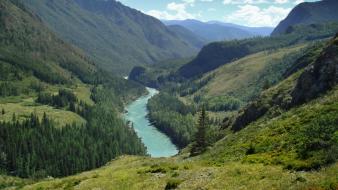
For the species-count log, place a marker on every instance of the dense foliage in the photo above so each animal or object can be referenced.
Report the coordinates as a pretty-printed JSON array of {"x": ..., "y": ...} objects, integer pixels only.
[
  {"x": 190, "y": 87},
  {"x": 177, "y": 120},
  {"x": 318, "y": 142},
  {"x": 37, "y": 148},
  {"x": 62, "y": 99},
  {"x": 172, "y": 117},
  {"x": 220, "y": 103}
]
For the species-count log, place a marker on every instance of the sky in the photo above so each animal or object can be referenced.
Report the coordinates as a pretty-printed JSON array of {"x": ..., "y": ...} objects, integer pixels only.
[{"x": 243, "y": 12}]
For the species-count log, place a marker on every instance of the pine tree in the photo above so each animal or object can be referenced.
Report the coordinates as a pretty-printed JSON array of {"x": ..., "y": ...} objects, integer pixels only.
[
  {"x": 14, "y": 117},
  {"x": 200, "y": 143},
  {"x": 3, "y": 111},
  {"x": 72, "y": 107}
]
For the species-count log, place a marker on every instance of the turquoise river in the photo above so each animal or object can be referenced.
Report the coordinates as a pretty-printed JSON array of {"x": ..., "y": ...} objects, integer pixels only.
[{"x": 157, "y": 143}]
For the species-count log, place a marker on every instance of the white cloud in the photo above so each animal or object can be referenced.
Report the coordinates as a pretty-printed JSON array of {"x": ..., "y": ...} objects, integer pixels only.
[
  {"x": 281, "y": 1},
  {"x": 174, "y": 11},
  {"x": 256, "y": 16}
]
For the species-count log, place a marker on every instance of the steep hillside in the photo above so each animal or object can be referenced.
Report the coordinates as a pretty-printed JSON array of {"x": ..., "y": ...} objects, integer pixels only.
[
  {"x": 219, "y": 53},
  {"x": 212, "y": 32},
  {"x": 59, "y": 111},
  {"x": 309, "y": 13},
  {"x": 318, "y": 77},
  {"x": 113, "y": 35},
  {"x": 28, "y": 44},
  {"x": 247, "y": 77}
]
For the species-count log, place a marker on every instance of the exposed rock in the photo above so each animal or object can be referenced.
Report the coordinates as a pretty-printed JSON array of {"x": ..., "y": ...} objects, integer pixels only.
[
  {"x": 319, "y": 77},
  {"x": 251, "y": 113}
]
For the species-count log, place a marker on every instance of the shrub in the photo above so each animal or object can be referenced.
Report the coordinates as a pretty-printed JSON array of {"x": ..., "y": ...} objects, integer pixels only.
[{"x": 173, "y": 184}]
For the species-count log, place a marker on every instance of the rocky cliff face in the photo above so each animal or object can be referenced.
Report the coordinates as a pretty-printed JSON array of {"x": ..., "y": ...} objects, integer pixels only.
[{"x": 319, "y": 77}]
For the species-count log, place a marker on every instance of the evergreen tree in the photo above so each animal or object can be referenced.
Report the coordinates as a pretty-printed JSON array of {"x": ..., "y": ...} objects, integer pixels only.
[
  {"x": 72, "y": 107},
  {"x": 200, "y": 143},
  {"x": 3, "y": 111}
]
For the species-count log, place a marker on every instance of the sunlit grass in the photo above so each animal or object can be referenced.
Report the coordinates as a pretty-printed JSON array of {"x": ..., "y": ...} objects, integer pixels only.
[
  {"x": 22, "y": 108},
  {"x": 130, "y": 172},
  {"x": 239, "y": 76}
]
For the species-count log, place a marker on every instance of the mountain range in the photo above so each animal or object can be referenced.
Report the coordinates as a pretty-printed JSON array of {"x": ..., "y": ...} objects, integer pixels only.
[
  {"x": 219, "y": 31},
  {"x": 116, "y": 37}
]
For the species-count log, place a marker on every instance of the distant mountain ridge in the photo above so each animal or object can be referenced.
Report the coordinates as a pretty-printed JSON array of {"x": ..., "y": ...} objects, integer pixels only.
[
  {"x": 309, "y": 13},
  {"x": 113, "y": 35},
  {"x": 261, "y": 31},
  {"x": 218, "y": 31}
]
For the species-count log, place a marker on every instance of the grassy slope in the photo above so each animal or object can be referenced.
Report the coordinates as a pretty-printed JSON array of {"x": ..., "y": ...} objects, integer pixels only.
[
  {"x": 131, "y": 172},
  {"x": 241, "y": 79},
  {"x": 239, "y": 76},
  {"x": 243, "y": 73}
]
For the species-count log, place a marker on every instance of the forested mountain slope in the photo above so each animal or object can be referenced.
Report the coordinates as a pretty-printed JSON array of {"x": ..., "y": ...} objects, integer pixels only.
[
  {"x": 116, "y": 37},
  {"x": 28, "y": 44},
  {"x": 309, "y": 13},
  {"x": 60, "y": 114}
]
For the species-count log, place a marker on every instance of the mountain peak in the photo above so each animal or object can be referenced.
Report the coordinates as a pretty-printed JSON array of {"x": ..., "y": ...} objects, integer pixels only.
[{"x": 309, "y": 13}]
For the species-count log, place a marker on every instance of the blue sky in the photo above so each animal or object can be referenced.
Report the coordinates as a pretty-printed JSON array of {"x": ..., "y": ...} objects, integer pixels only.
[{"x": 244, "y": 12}]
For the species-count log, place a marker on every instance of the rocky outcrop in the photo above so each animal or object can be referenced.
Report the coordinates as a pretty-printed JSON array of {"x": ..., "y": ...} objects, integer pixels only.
[
  {"x": 250, "y": 114},
  {"x": 319, "y": 77}
]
